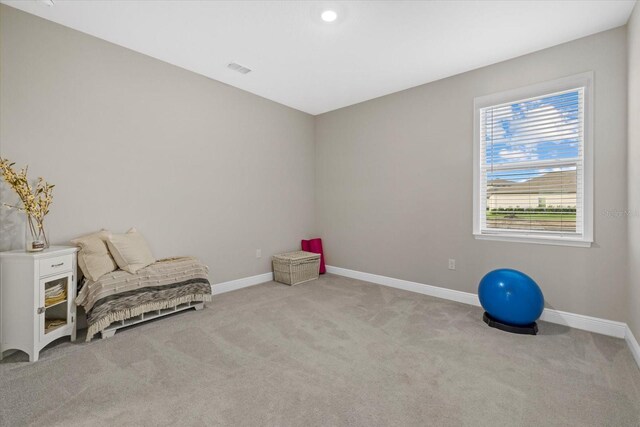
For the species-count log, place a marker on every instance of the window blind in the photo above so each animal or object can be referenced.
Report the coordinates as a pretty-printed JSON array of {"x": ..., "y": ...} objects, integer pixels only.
[{"x": 531, "y": 165}]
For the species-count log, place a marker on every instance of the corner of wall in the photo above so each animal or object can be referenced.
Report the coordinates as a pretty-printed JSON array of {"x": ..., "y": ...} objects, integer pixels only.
[{"x": 633, "y": 170}]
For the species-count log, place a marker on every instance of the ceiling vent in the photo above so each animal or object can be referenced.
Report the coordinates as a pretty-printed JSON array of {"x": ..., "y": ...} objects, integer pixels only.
[{"x": 239, "y": 68}]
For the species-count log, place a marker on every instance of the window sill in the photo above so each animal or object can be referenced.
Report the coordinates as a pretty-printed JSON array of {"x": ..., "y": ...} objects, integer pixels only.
[{"x": 556, "y": 241}]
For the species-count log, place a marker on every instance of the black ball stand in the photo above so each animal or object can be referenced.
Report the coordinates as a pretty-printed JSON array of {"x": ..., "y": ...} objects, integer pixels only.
[{"x": 530, "y": 329}]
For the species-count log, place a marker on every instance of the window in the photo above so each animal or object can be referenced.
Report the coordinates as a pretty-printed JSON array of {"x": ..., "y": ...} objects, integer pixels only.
[{"x": 533, "y": 164}]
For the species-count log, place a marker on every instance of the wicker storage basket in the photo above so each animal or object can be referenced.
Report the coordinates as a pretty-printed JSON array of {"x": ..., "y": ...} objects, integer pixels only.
[{"x": 297, "y": 267}]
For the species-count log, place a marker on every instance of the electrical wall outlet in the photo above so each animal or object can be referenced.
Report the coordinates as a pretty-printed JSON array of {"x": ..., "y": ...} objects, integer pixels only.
[
  {"x": 452, "y": 264},
  {"x": 258, "y": 253}
]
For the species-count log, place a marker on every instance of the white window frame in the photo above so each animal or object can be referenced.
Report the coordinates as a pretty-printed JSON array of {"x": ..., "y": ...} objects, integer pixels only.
[{"x": 583, "y": 80}]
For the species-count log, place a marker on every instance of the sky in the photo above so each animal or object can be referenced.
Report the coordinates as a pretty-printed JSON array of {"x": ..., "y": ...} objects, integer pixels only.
[{"x": 511, "y": 136}]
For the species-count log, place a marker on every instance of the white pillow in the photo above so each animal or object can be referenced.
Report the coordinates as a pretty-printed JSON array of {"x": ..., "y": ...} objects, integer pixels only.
[
  {"x": 130, "y": 251},
  {"x": 94, "y": 258}
]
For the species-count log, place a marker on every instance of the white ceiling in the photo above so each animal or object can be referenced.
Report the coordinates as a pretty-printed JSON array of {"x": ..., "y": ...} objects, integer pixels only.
[{"x": 373, "y": 48}]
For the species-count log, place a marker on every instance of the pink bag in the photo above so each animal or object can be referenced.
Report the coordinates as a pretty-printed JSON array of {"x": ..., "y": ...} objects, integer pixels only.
[{"x": 315, "y": 246}]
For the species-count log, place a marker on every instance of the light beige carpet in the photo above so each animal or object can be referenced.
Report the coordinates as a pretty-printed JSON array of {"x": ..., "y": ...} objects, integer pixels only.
[{"x": 328, "y": 353}]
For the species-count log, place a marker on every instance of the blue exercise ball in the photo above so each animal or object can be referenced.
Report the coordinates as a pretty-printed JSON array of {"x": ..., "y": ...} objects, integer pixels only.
[{"x": 511, "y": 297}]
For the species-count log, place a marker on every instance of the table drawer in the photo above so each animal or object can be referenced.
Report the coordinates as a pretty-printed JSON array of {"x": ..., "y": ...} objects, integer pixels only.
[{"x": 60, "y": 264}]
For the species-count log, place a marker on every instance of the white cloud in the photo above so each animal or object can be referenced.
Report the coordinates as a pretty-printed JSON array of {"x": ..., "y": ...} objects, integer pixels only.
[{"x": 523, "y": 147}]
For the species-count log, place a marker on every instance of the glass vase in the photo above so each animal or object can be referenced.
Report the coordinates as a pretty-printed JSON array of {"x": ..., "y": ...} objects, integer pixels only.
[{"x": 36, "y": 238}]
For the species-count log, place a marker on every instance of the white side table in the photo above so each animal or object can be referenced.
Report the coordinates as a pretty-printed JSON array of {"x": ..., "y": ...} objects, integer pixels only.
[{"x": 25, "y": 317}]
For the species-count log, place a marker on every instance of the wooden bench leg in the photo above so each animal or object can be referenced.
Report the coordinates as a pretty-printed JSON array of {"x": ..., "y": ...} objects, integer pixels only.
[{"x": 199, "y": 306}]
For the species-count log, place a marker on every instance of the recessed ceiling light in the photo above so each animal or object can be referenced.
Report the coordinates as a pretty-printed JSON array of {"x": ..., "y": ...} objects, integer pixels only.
[{"x": 329, "y": 16}]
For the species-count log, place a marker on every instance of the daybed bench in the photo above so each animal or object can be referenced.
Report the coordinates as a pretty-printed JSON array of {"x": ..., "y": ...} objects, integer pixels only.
[{"x": 119, "y": 298}]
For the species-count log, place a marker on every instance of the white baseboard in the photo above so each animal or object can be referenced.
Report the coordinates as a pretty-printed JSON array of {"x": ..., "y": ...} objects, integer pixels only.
[
  {"x": 232, "y": 285},
  {"x": 577, "y": 321},
  {"x": 434, "y": 291},
  {"x": 611, "y": 328},
  {"x": 633, "y": 345}
]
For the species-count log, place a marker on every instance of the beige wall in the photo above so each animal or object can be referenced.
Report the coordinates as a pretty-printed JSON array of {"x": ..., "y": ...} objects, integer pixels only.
[
  {"x": 634, "y": 171},
  {"x": 197, "y": 166},
  {"x": 387, "y": 169},
  {"x": 206, "y": 169}
]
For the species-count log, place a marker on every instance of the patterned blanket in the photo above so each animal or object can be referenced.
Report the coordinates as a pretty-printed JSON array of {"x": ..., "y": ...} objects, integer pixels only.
[{"x": 120, "y": 295}]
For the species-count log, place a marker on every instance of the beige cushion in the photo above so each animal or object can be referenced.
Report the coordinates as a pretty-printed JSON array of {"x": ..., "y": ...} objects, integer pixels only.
[
  {"x": 94, "y": 258},
  {"x": 130, "y": 250}
]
